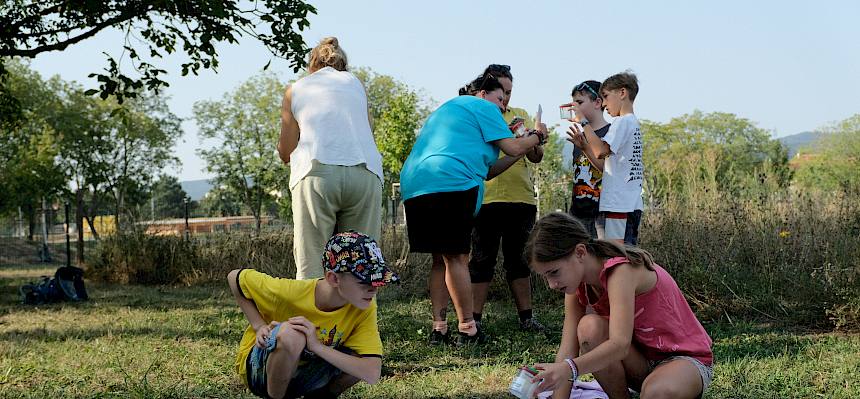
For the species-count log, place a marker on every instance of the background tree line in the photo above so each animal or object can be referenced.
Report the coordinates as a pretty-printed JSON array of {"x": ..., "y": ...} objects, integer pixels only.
[{"x": 107, "y": 158}]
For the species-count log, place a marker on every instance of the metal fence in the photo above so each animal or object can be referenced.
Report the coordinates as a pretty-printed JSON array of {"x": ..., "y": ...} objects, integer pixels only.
[
  {"x": 50, "y": 235},
  {"x": 45, "y": 240}
]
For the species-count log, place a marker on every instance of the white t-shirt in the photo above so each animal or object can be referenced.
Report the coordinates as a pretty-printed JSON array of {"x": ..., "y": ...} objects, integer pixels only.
[
  {"x": 623, "y": 171},
  {"x": 330, "y": 107}
]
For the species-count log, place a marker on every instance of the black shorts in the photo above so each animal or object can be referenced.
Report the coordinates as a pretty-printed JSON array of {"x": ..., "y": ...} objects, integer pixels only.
[
  {"x": 441, "y": 222},
  {"x": 508, "y": 222}
]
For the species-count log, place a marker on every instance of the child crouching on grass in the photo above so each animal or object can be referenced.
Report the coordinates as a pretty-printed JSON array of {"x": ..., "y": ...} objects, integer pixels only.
[
  {"x": 642, "y": 333},
  {"x": 313, "y": 338}
]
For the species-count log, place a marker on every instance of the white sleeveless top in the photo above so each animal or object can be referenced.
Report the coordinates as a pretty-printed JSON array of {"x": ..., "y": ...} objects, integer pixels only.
[{"x": 330, "y": 107}]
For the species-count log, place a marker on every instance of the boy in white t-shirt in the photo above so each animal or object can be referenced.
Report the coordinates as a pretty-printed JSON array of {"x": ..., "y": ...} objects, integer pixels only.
[{"x": 623, "y": 170}]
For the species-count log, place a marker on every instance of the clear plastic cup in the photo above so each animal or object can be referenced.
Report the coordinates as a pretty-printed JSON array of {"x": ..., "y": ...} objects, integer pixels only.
[
  {"x": 522, "y": 385},
  {"x": 567, "y": 111}
]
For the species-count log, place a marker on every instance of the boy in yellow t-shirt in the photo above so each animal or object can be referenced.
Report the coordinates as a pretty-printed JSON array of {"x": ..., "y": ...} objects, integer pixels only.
[{"x": 313, "y": 338}]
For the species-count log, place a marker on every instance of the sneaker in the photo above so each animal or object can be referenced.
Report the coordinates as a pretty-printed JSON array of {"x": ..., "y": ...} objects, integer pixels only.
[
  {"x": 478, "y": 339},
  {"x": 532, "y": 325},
  {"x": 437, "y": 338}
]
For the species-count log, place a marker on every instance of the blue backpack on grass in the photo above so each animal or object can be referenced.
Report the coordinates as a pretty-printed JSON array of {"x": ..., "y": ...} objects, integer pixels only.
[{"x": 66, "y": 285}]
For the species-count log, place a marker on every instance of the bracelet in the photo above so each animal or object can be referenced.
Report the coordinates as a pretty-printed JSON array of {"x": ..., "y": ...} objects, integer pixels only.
[
  {"x": 573, "y": 370},
  {"x": 542, "y": 138}
]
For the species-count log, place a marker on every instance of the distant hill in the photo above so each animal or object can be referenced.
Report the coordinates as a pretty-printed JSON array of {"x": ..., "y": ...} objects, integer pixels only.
[
  {"x": 196, "y": 189},
  {"x": 797, "y": 141}
]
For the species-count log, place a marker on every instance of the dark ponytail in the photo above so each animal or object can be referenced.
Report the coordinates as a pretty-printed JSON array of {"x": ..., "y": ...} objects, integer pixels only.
[
  {"x": 556, "y": 235},
  {"x": 486, "y": 82}
]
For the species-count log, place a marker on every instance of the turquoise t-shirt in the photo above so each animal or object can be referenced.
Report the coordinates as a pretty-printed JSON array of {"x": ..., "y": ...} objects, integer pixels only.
[{"x": 454, "y": 150}]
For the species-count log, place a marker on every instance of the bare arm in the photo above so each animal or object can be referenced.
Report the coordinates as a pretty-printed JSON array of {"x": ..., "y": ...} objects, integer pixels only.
[
  {"x": 502, "y": 164},
  {"x": 517, "y": 146},
  {"x": 621, "y": 286},
  {"x": 249, "y": 308},
  {"x": 289, "y": 139},
  {"x": 622, "y": 289},
  {"x": 368, "y": 369},
  {"x": 536, "y": 153},
  {"x": 569, "y": 348},
  {"x": 595, "y": 149}
]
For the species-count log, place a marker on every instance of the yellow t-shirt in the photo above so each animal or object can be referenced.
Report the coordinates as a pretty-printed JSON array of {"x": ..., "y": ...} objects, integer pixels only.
[
  {"x": 515, "y": 183},
  {"x": 279, "y": 299}
]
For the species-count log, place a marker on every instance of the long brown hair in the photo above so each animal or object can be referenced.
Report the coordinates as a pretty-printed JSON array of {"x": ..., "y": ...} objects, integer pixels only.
[{"x": 556, "y": 235}]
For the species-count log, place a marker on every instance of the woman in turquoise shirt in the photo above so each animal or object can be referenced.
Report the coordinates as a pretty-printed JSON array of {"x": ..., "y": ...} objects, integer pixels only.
[{"x": 442, "y": 184}]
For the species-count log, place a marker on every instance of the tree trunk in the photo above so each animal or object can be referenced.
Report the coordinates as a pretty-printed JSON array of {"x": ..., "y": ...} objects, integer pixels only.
[
  {"x": 79, "y": 222},
  {"x": 93, "y": 227},
  {"x": 259, "y": 206},
  {"x": 90, "y": 217},
  {"x": 31, "y": 221}
]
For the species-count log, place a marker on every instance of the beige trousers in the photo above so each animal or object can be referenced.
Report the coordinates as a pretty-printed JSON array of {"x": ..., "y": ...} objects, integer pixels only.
[{"x": 329, "y": 200}]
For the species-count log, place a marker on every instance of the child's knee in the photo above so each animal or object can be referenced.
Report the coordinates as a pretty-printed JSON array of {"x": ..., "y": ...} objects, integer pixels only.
[
  {"x": 591, "y": 331},
  {"x": 654, "y": 388},
  {"x": 291, "y": 341}
]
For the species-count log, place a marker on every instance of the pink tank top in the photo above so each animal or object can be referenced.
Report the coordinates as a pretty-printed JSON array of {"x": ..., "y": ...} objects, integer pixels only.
[{"x": 663, "y": 323}]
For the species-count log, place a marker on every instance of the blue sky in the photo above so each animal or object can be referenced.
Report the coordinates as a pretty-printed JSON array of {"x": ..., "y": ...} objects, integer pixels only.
[{"x": 789, "y": 66}]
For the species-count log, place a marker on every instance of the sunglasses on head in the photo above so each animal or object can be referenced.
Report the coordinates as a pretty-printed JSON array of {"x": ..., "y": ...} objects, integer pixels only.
[
  {"x": 487, "y": 76},
  {"x": 584, "y": 86}
]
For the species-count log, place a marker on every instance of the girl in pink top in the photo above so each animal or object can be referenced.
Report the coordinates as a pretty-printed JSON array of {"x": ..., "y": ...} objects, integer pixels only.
[{"x": 642, "y": 333}]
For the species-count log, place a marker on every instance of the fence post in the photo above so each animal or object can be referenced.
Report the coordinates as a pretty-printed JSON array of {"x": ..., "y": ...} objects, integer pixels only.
[
  {"x": 187, "y": 230},
  {"x": 45, "y": 253},
  {"x": 68, "y": 239}
]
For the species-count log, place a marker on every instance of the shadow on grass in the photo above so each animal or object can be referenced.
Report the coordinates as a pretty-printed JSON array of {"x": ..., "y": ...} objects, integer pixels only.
[{"x": 46, "y": 335}]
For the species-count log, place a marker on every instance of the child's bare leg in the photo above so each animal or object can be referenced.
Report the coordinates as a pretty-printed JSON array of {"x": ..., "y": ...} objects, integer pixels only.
[
  {"x": 282, "y": 362},
  {"x": 334, "y": 388},
  {"x": 675, "y": 379},
  {"x": 439, "y": 296},
  {"x": 594, "y": 330}
]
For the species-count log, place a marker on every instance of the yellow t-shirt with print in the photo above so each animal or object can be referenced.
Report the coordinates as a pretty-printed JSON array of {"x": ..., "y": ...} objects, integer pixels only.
[
  {"x": 278, "y": 299},
  {"x": 515, "y": 183}
]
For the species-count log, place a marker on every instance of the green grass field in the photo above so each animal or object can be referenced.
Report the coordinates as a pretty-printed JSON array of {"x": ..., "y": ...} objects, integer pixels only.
[{"x": 179, "y": 342}]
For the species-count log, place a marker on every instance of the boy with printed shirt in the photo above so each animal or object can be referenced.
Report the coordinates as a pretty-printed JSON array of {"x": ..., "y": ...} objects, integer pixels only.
[
  {"x": 587, "y": 177},
  {"x": 623, "y": 170},
  {"x": 313, "y": 338}
]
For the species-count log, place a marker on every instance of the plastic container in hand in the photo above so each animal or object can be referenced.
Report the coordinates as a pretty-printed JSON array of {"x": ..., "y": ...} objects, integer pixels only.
[
  {"x": 522, "y": 385},
  {"x": 567, "y": 111}
]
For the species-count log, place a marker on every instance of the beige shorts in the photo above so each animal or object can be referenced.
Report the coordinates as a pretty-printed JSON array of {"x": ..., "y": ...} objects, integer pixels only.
[{"x": 328, "y": 200}]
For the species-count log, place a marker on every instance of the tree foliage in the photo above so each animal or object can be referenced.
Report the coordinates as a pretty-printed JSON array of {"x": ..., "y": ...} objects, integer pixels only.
[
  {"x": 96, "y": 153},
  {"x": 833, "y": 162},
  {"x": 397, "y": 113},
  {"x": 220, "y": 202},
  {"x": 551, "y": 177},
  {"x": 742, "y": 153},
  {"x": 246, "y": 123},
  {"x": 166, "y": 199},
  {"x": 28, "y": 146},
  {"x": 152, "y": 29}
]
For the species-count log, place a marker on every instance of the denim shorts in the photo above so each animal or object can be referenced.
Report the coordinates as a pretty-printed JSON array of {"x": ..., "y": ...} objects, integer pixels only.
[
  {"x": 706, "y": 372},
  {"x": 312, "y": 374}
]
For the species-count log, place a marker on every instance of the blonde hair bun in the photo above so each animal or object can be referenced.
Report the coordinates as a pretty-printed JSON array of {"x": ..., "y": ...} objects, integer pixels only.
[{"x": 327, "y": 54}]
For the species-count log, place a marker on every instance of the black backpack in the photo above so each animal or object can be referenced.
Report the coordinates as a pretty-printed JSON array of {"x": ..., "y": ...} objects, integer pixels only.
[{"x": 66, "y": 285}]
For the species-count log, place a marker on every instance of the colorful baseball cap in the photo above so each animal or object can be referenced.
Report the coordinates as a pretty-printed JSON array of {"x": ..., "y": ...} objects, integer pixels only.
[{"x": 360, "y": 255}]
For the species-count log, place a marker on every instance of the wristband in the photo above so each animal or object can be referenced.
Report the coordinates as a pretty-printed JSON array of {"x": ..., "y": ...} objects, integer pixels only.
[
  {"x": 573, "y": 371},
  {"x": 542, "y": 138}
]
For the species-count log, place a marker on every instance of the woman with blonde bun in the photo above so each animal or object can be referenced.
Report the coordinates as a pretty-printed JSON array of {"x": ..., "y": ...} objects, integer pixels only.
[{"x": 335, "y": 168}]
